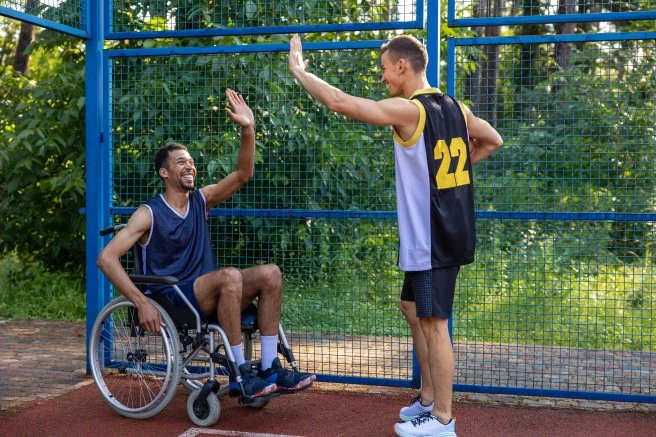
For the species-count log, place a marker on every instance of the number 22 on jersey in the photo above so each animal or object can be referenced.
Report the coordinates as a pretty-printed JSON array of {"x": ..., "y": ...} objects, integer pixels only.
[{"x": 443, "y": 153}]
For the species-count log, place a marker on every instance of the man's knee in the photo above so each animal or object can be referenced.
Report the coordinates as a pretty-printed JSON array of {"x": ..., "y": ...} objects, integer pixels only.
[
  {"x": 408, "y": 309},
  {"x": 272, "y": 278},
  {"x": 434, "y": 326},
  {"x": 227, "y": 281}
]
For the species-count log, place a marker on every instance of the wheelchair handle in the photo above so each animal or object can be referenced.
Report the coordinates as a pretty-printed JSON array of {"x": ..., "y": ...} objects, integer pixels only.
[{"x": 112, "y": 229}]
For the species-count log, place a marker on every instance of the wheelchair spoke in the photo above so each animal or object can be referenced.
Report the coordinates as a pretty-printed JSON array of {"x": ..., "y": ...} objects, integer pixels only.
[{"x": 137, "y": 372}]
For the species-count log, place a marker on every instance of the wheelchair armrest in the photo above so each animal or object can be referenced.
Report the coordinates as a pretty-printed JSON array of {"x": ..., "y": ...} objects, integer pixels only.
[
  {"x": 151, "y": 279},
  {"x": 112, "y": 229}
]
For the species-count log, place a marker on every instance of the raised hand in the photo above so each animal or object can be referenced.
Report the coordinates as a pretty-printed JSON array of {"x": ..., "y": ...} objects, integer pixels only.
[
  {"x": 296, "y": 61},
  {"x": 240, "y": 112}
]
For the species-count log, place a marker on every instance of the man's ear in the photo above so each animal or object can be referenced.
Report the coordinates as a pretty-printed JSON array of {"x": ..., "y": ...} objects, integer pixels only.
[
  {"x": 402, "y": 65},
  {"x": 163, "y": 173}
]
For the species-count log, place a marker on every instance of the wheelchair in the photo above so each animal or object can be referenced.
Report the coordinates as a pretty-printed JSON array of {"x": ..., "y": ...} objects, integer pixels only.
[{"x": 138, "y": 372}]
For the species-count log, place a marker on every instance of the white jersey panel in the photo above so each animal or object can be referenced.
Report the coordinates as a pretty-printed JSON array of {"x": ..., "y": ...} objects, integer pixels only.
[{"x": 413, "y": 201}]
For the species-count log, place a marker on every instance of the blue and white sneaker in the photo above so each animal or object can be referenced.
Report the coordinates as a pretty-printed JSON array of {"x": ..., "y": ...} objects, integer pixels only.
[
  {"x": 415, "y": 409},
  {"x": 254, "y": 386},
  {"x": 286, "y": 380},
  {"x": 426, "y": 425}
]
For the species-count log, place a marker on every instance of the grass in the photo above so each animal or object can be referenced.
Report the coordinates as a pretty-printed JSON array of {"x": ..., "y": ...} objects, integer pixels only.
[
  {"x": 545, "y": 300},
  {"x": 500, "y": 299},
  {"x": 29, "y": 291}
]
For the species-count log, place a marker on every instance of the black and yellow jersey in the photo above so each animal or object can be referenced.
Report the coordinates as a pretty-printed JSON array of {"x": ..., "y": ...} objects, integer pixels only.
[{"x": 434, "y": 187}]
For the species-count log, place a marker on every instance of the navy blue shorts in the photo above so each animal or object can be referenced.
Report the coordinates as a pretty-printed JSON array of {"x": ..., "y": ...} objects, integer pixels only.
[
  {"x": 431, "y": 290},
  {"x": 187, "y": 289}
]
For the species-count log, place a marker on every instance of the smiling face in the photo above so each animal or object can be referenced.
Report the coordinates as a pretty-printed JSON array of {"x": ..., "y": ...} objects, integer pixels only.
[
  {"x": 179, "y": 171},
  {"x": 391, "y": 75}
]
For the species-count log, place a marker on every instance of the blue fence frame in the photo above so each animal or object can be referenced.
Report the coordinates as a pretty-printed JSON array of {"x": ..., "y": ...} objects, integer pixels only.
[
  {"x": 80, "y": 32},
  {"x": 417, "y": 23},
  {"x": 95, "y": 29}
]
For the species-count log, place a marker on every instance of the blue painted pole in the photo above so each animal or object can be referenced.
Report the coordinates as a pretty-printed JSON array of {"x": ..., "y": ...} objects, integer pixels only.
[
  {"x": 97, "y": 206},
  {"x": 433, "y": 42}
]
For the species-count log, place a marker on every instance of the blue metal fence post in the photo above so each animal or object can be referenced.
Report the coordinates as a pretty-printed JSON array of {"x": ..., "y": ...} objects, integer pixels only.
[
  {"x": 433, "y": 42},
  {"x": 97, "y": 205}
]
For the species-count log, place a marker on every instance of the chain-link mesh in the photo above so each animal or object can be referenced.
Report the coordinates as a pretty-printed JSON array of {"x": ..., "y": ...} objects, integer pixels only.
[
  {"x": 320, "y": 204},
  {"x": 562, "y": 294},
  {"x": 66, "y": 12},
  {"x": 534, "y": 8},
  {"x": 185, "y": 15}
]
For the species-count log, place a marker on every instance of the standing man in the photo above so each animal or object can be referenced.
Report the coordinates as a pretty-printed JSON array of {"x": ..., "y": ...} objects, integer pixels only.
[
  {"x": 171, "y": 230},
  {"x": 436, "y": 141}
]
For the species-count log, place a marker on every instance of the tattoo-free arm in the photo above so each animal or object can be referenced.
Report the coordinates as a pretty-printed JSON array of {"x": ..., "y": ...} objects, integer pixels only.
[
  {"x": 109, "y": 263},
  {"x": 483, "y": 138},
  {"x": 226, "y": 187}
]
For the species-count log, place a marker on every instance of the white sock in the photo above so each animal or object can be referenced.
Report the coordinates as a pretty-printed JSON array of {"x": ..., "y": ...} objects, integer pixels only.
[
  {"x": 238, "y": 353},
  {"x": 269, "y": 350}
]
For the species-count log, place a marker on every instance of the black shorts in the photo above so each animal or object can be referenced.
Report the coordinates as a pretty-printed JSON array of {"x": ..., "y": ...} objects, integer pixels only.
[{"x": 431, "y": 290}]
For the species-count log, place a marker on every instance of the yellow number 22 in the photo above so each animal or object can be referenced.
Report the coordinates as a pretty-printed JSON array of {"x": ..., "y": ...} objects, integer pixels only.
[{"x": 457, "y": 149}]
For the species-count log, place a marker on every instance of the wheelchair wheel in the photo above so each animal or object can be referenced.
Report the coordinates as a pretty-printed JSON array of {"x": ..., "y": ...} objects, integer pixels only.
[
  {"x": 136, "y": 372},
  {"x": 203, "y": 413}
]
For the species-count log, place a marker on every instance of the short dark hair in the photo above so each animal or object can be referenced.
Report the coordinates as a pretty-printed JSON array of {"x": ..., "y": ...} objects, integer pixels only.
[
  {"x": 407, "y": 47},
  {"x": 162, "y": 155}
]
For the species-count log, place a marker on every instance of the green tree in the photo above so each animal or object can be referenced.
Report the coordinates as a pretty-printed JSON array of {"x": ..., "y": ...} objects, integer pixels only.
[{"x": 42, "y": 154}]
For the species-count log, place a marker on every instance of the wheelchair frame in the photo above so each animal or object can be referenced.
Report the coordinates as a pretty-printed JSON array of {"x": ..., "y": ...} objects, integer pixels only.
[{"x": 138, "y": 372}]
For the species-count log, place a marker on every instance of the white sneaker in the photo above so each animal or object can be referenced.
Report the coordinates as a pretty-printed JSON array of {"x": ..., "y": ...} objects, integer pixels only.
[
  {"x": 426, "y": 425},
  {"x": 415, "y": 409}
]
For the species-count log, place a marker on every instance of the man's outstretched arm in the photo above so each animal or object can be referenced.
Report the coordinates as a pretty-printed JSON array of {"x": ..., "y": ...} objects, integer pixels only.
[
  {"x": 109, "y": 263},
  {"x": 390, "y": 112}
]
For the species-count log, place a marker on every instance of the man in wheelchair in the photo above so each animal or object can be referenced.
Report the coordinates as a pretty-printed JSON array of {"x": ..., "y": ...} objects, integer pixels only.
[{"x": 172, "y": 232}]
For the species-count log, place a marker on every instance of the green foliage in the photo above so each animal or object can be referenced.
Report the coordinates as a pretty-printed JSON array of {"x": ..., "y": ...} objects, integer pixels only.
[
  {"x": 568, "y": 148},
  {"x": 29, "y": 291},
  {"x": 204, "y": 14},
  {"x": 541, "y": 296},
  {"x": 42, "y": 156}
]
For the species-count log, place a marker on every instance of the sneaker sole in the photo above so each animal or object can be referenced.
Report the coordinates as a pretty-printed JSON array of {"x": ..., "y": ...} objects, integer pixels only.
[
  {"x": 306, "y": 383},
  {"x": 266, "y": 391},
  {"x": 440, "y": 434}
]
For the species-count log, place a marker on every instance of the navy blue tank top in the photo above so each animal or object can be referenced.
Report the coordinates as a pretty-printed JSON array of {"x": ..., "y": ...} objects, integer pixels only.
[{"x": 178, "y": 245}]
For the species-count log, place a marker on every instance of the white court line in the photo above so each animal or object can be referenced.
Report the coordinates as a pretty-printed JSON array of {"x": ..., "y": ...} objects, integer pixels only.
[{"x": 193, "y": 432}]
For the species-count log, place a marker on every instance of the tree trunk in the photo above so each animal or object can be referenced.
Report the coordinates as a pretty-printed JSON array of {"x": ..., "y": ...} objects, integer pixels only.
[
  {"x": 484, "y": 88},
  {"x": 472, "y": 80},
  {"x": 564, "y": 50},
  {"x": 25, "y": 38}
]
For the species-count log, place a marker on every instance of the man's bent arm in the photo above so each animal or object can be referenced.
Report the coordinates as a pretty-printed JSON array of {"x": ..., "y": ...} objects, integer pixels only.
[
  {"x": 483, "y": 137},
  {"x": 109, "y": 263}
]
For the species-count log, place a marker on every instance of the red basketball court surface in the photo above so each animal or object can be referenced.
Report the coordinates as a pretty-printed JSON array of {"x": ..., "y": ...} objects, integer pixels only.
[{"x": 45, "y": 392}]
